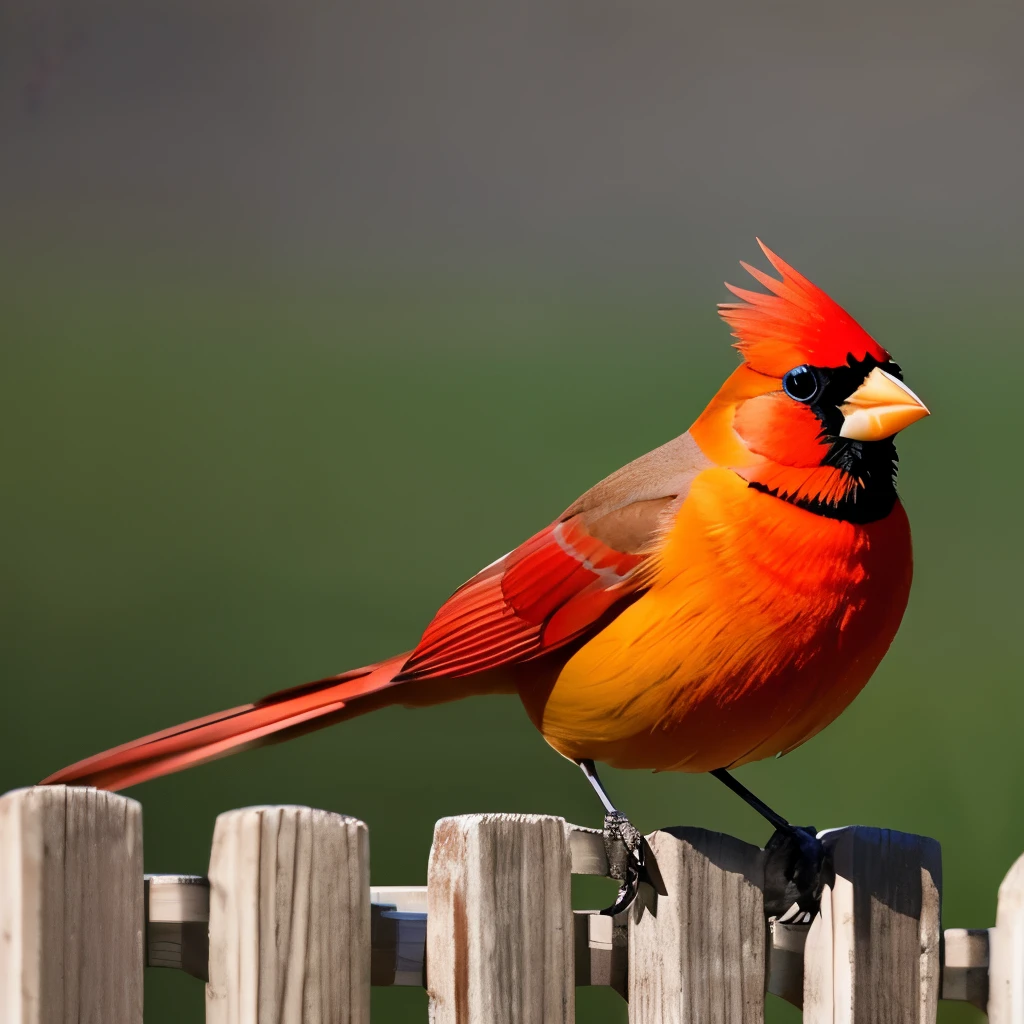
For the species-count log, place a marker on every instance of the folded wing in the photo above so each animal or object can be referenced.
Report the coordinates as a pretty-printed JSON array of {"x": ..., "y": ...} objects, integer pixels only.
[{"x": 565, "y": 579}]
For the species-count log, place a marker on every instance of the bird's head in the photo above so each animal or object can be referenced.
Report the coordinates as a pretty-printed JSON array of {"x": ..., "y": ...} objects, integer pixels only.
[{"x": 811, "y": 413}]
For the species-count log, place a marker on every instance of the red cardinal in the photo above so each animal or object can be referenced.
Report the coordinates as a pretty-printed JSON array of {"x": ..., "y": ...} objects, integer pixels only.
[{"x": 719, "y": 600}]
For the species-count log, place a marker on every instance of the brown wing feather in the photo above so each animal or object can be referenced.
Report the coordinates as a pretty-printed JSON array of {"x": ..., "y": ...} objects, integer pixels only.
[
  {"x": 627, "y": 509},
  {"x": 635, "y": 527}
]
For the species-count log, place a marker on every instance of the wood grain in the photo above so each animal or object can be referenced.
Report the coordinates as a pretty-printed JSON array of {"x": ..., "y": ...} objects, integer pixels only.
[
  {"x": 289, "y": 918},
  {"x": 698, "y": 953},
  {"x": 872, "y": 955},
  {"x": 499, "y": 921},
  {"x": 71, "y": 907}
]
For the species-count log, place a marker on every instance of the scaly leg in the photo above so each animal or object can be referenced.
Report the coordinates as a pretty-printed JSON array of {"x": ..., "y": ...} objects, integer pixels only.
[{"x": 623, "y": 844}]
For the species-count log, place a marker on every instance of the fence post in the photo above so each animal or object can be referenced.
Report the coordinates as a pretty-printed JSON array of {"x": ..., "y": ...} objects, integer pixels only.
[
  {"x": 698, "y": 953},
  {"x": 872, "y": 954},
  {"x": 1006, "y": 970},
  {"x": 71, "y": 907},
  {"x": 289, "y": 918},
  {"x": 499, "y": 921}
]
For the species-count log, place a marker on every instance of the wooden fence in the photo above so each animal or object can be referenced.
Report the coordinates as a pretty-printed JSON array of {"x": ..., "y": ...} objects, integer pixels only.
[{"x": 287, "y": 929}]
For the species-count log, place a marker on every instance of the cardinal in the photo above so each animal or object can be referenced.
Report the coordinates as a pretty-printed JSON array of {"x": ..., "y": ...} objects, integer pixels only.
[{"x": 719, "y": 600}]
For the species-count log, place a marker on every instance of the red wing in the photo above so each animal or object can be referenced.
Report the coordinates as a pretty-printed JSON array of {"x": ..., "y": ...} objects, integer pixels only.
[{"x": 538, "y": 597}]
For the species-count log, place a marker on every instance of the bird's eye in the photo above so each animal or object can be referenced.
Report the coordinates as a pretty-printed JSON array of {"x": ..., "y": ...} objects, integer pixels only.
[{"x": 801, "y": 384}]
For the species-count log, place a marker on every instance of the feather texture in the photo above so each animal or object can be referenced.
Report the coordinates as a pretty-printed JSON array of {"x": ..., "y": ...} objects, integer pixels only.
[
  {"x": 683, "y": 614},
  {"x": 538, "y": 597},
  {"x": 797, "y": 323}
]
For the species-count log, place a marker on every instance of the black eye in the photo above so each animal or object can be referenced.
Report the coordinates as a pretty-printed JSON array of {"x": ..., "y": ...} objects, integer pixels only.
[{"x": 801, "y": 384}]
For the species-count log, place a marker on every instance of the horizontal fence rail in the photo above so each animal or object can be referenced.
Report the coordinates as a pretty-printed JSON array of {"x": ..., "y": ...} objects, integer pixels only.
[{"x": 286, "y": 929}]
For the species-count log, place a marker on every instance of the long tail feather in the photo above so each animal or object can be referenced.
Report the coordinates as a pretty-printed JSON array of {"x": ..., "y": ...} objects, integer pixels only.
[{"x": 277, "y": 717}]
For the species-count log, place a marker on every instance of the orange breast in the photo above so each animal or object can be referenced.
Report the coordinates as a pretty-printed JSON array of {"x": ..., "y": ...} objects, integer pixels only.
[{"x": 762, "y": 622}]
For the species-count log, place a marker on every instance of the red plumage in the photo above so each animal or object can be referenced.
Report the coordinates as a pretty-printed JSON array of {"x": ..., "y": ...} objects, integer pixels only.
[
  {"x": 535, "y": 599},
  {"x": 797, "y": 323},
  {"x": 716, "y": 600},
  {"x": 540, "y": 596}
]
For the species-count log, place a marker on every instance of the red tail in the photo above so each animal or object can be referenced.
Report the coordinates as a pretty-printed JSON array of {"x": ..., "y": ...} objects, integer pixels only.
[
  {"x": 277, "y": 717},
  {"x": 531, "y": 608}
]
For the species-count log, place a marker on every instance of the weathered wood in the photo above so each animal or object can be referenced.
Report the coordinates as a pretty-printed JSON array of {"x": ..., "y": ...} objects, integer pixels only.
[
  {"x": 289, "y": 918},
  {"x": 71, "y": 907},
  {"x": 1006, "y": 972},
  {"x": 965, "y": 966},
  {"x": 178, "y": 923},
  {"x": 872, "y": 954},
  {"x": 698, "y": 953},
  {"x": 601, "y": 949},
  {"x": 587, "y": 851},
  {"x": 500, "y": 923},
  {"x": 786, "y": 961}
]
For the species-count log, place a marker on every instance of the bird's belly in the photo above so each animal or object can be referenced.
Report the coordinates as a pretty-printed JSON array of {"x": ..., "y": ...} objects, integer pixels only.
[{"x": 762, "y": 622}]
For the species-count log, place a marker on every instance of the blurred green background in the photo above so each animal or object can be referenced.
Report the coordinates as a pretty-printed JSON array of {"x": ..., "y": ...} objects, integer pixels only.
[
  {"x": 285, "y": 481},
  {"x": 308, "y": 313}
]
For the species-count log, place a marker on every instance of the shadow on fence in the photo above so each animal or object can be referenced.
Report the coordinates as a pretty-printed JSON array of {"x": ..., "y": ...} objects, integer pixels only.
[{"x": 286, "y": 929}]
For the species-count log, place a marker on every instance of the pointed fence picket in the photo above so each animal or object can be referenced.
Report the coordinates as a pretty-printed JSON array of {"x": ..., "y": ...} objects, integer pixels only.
[{"x": 286, "y": 929}]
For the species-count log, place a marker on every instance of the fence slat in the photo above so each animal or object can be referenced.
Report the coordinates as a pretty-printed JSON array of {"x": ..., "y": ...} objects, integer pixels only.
[
  {"x": 699, "y": 953},
  {"x": 499, "y": 921},
  {"x": 601, "y": 949},
  {"x": 289, "y": 918},
  {"x": 178, "y": 923},
  {"x": 786, "y": 961},
  {"x": 965, "y": 966},
  {"x": 71, "y": 907},
  {"x": 398, "y": 935},
  {"x": 1006, "y": 970},
  {"x": 872, "y": 954}
]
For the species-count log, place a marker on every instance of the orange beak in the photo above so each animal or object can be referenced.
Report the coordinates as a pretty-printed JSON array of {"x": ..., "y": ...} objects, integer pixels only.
[{"x": 882, "y": 406}]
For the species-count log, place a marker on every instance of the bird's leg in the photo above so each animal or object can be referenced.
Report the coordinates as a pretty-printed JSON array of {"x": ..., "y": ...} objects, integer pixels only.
[
  {"x": 793, "y": 862},
  {"x": 623, "y": 844},
  {"x": 754, "y": 801}
]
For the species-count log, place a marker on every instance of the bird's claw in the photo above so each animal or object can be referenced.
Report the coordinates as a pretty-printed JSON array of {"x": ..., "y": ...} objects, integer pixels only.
[
  {"x": 624, "y": 846},
  {"x": 622, "y": 840},
  {"x": 794, "y": 861}
]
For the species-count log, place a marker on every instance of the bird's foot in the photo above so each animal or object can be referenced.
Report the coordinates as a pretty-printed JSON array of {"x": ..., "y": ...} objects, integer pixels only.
[
  {"x": 794, "y": 858},
  {"x": 624, "y": 846}
]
